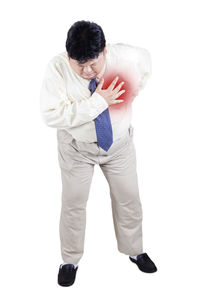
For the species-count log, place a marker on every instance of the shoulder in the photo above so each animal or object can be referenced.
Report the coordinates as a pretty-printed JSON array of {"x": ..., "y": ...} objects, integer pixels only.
[
  {"x": 127, "y": 51},
  {"x": 58, "y": 63}
]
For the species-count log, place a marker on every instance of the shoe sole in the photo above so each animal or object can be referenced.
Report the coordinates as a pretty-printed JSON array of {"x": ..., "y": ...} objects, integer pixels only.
[{"x": 67, "y": 284}]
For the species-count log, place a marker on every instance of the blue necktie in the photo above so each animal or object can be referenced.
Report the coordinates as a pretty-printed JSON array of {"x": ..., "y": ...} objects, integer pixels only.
[{"x": 102, "y": 123}]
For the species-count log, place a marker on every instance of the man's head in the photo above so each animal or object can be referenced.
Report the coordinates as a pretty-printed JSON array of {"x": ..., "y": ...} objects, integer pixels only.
[{"x": 86, "y": 48}]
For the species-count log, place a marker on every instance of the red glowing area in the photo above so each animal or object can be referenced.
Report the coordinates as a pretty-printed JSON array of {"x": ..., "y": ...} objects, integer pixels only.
[{"x": 130, "y": 86}]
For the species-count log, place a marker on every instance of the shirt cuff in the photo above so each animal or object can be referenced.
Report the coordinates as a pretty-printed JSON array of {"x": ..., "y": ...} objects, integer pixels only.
[{"x": 100, "y": 102}]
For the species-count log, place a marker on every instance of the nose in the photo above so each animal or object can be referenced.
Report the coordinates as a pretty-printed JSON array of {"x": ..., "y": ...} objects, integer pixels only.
[{"x": 87, "y": 70}]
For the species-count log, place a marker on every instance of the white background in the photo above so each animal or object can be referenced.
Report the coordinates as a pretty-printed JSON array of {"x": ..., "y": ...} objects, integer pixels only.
[{"x": 166, "y": 136}]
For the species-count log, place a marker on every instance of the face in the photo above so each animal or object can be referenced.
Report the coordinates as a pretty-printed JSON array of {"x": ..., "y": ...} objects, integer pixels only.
[{"x": 91, "y": 68}]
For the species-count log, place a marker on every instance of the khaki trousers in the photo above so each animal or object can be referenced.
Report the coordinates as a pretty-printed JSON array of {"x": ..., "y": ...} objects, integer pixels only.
[{"x": 77, "y": 160}]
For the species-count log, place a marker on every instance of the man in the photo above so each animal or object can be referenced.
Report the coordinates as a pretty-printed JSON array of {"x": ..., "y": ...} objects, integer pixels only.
[{"x": 82, "y": 97}]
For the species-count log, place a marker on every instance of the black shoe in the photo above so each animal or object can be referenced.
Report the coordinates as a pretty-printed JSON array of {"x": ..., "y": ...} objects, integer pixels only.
[
  {"x": 67, "y": 274},
  {"x": 144, "y": 263}
]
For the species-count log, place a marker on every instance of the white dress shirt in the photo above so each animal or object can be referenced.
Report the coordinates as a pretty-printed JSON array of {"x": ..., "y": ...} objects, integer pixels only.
[{"x": 66, "y": 102}]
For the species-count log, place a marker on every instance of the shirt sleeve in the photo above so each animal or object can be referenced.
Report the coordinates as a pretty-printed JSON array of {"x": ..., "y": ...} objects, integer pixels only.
[
  {"x": 57, "y": 110},
  {"x": 144, "y": 66},
  {"x": 138, "y": 59}
]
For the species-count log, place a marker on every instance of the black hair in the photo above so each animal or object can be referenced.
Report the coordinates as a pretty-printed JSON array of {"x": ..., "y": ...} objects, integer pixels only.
[{"x": 85, "y": 40}]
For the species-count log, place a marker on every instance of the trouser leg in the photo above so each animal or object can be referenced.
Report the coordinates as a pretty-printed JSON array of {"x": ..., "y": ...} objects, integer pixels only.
[
  {"x": 76, "y": 179},
  {"x": 121, "y": 175}
]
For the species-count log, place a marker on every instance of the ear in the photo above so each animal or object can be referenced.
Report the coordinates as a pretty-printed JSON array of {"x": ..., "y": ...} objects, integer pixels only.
[{"x": 105, "y": 50}]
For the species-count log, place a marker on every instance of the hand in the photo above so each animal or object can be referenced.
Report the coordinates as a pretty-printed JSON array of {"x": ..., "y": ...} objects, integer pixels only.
[{"x": 110, "y": 94}]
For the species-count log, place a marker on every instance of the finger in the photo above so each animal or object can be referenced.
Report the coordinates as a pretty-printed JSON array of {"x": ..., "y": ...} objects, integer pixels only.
[
  {"x": 100, "y": 84},
  {"x": 117, "y": 101},
  {"x": 119, "y": 94},
  {"x": 118, "y": 87},
  {"x": 111, "y": 86}
]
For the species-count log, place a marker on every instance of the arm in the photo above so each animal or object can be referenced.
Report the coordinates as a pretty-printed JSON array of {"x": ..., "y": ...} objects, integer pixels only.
[
  {"x": 144, "y": 67},
  {"x": 55, "y": 106},
  {"x": 138, "y": 59}
]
